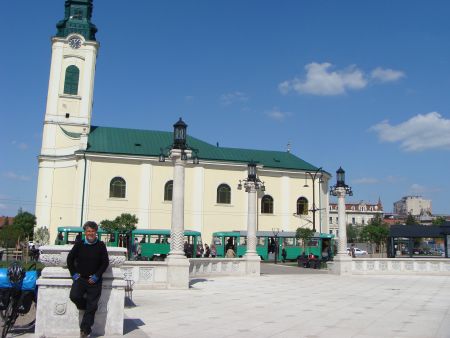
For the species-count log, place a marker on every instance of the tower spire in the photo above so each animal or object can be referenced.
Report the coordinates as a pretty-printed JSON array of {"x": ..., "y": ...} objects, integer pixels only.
[{"x": 77, "y": 19}]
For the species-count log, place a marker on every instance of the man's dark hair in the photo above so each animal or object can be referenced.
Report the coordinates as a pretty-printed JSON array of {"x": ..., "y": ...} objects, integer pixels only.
[{"x": 90, "y": 224}]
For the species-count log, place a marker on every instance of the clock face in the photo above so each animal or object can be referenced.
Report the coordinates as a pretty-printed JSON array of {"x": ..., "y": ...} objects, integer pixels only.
[{"x": 75, "y": 43}]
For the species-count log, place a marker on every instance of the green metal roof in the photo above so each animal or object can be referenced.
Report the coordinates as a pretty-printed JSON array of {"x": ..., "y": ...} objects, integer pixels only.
[
  {"x": 77, "y": 19},
  {"x": 149, "y": 143}
]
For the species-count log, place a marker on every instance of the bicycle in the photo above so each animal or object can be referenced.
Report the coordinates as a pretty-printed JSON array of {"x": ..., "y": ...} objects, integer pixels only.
[{"x": 17, "y": 292}]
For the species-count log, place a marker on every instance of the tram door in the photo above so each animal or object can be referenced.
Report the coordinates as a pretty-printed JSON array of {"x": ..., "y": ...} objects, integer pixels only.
[{"x": 231, "y": 243}]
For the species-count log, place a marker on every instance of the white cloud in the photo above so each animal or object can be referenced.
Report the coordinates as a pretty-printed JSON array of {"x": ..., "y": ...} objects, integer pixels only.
[
  {"x": 277, "y": 114},
  {"x": 421, "y": 132},
  {"x": 321, "y": 80},
  {"x": 418, "y": 189},
  {"x": 189, "y": 98},
  {"x": 20, "y": 145},
  {"x": 13, "y": 176},
  {"x": 235, "y": 97},
  {"x": 386, "y": 74},
  {"x": 365, "y": 180}
]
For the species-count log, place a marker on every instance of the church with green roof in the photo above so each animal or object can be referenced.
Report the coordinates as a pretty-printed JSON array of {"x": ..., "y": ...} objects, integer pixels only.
[{"x": 96, "y": 173}]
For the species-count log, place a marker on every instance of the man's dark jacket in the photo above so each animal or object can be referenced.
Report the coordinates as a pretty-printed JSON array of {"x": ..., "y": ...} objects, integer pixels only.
[{"x": 88, "y": 259}]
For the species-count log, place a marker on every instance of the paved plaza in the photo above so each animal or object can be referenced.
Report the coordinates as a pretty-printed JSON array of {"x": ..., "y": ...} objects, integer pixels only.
[{"x": 294, "y": 302}]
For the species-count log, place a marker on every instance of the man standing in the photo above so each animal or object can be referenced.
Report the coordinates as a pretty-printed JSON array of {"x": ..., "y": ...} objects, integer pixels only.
[{"x": 87, "y": 261}]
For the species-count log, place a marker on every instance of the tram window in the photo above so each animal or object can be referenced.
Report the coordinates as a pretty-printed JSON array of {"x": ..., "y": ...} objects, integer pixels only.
[
  {"x": 260, "y": 241},
  {"x": 242, "y": 240},
  {"x": 112, "y": 238},
  {"x": 156, "y": 239},
  {"x": 72, "y": 237},
  {"x": 289, "y": 241},
  {"x": 217, "y": 240},
  {"x": 313, "y": 243}
]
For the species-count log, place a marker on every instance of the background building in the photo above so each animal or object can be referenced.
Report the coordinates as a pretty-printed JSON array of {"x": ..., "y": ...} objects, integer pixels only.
[
  {"x": 414, "y": 205},
  {"x": 356, "y": 214},
  {"x": 94, "y": 173}
]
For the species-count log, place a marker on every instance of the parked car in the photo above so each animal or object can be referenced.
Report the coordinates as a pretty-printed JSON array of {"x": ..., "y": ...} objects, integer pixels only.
[{"x": 358, "y": 252}]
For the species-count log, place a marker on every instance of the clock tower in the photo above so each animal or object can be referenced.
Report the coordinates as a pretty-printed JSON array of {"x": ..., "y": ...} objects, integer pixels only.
[
  {"x": 71, "y": 83},
  {"x": 67, "y": 121}
]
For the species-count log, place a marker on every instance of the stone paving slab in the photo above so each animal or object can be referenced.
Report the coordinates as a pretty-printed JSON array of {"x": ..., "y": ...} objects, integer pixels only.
[{"x": 295, "y": 305}]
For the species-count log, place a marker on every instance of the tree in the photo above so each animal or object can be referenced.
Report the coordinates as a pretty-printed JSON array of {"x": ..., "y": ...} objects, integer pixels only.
[
  {"x": 411, "y": 220},
  {"x": 439, "y": 220},
  {"x": 109, "y": 226},
  {"x": 305, "y": 234},
  {"x": 126, "y": 223},
  {"x": 376, "y": 232},
  {"x": 42, "y": 236},
  {"x": 25, "y": 221},
  {"x": 10, "y": 235},
  {"x": 352, "y": 233}
]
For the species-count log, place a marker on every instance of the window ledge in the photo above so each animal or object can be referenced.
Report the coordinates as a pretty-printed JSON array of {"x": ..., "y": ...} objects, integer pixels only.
[
  {"x": 224, "y": 205},
  {"x": 69, "y": 96},
  {"x": 117, "y": 199}
]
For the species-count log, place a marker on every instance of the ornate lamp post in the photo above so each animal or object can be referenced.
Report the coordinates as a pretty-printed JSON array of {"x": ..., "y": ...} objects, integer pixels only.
[
  {"x": 251, "y": 184},
  {"x": 179, "y": 152},
  {"x": 342, "y": 262},
  {"x": 318, "y": 174}
]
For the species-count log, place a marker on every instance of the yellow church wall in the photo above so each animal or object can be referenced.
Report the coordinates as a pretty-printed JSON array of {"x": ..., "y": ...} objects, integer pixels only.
[
  {"x": 99, "y": 205},
  {"x": 63, "y": 201}
]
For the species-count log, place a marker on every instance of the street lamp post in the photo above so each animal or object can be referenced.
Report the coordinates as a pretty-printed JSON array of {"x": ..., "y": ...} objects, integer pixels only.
[
  {"x": 342, "y": 262},
  {"x": 179, "y": 152},
  {"x": 251, "y": 184},
  {"x": 318, "y": 174}
]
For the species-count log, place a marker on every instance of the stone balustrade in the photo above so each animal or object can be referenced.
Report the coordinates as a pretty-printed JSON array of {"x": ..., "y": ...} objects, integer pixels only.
[
  {"x": 217, "y": 267},
  {"x": 390, "y": 266},
  {"x": 153, "y": 274},
  {"x": 57, "y": 316}
]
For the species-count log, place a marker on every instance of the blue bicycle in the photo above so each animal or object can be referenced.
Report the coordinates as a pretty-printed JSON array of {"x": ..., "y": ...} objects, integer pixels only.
[{"x": 17, "y": 293}]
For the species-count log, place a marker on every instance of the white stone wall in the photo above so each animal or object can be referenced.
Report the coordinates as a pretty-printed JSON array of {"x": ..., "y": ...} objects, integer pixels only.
[{"x": 389, "y": 266}]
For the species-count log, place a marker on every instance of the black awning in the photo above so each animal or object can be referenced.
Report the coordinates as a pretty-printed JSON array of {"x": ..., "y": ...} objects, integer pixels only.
[{"x": 399, "y": 230}]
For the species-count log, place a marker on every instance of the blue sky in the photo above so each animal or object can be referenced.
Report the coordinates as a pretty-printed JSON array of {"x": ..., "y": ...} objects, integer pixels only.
[{"x": 358, "y": 84}]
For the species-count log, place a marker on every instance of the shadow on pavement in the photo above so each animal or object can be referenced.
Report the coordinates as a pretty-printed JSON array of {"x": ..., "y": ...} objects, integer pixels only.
[
  {"x": 196, "y": 280},
  {"x": 133, "y": 324}
]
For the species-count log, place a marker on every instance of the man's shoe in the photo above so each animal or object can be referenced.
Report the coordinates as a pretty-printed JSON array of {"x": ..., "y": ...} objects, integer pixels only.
[{"x": 83, "y": 334}]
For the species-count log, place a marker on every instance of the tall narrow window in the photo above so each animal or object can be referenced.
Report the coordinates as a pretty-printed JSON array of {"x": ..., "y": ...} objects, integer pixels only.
[
  {"x": 302, "y": 206},
  {"x": 224, "y": 194},
  {"x": 267, "y": 204},
  {"x": 168, "y": 190},
  {"x": 117, "y": 187},
  {"x": 71, "y": 80}
]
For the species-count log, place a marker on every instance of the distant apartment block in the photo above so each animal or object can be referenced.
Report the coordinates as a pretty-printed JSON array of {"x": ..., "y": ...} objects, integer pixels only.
[
  {"x": 356, "y": 213},
  {"x": 414, "y": 205}
]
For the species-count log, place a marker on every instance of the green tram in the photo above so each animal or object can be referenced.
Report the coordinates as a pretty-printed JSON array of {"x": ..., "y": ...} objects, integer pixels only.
[
  {"x": 266, "y": 244},
  {"x": 155, "y": 244},
  {"x": 68, "y": 235}
]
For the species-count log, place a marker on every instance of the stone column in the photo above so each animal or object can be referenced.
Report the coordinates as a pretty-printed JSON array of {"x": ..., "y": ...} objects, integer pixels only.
[
  {"x": 177, "y": 226},
  {"x": 177, "y": 263},
  {"x": 252, "y": 259},
  {"x": 342, "y": 264},
  {"x": 342, "y": 244}
]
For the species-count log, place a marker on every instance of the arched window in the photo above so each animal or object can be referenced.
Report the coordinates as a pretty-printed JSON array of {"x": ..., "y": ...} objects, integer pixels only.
[
  {"x": 267, "y": 204},
  {"x": 168, "y": 190},
  {"x": 117, "y": 187},
  {"x": 302, "y": 206},
  {"x": 71, "y": 80},
  {"x": 224, "y": 194}
]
